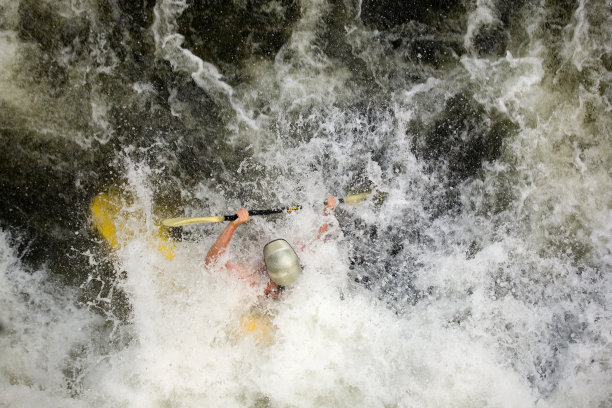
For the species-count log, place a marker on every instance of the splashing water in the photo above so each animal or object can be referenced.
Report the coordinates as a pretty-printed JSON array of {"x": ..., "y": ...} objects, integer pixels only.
[{"x": 476, "y": 274}]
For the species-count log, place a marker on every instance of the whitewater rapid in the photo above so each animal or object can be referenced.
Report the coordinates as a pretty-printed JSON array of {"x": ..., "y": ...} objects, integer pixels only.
[{"x": 477, "y": 273}]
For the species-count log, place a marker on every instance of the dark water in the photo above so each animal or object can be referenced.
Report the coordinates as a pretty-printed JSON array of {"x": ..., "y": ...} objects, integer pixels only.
[{"x": 477, "y": 273}]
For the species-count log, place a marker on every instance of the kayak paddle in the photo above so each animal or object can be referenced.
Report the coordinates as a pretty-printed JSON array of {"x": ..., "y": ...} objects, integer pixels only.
[{"x": 182, "y": 221}]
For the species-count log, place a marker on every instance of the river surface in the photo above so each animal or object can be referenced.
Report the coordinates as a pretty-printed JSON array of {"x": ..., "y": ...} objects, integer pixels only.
[{"x": 477, "y": 273}]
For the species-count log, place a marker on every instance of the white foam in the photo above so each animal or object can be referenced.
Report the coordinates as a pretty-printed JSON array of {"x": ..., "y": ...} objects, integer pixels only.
[{"x": 44, "y": 335}]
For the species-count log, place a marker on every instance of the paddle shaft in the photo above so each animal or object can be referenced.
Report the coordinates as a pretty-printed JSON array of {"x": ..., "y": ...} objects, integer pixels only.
[{"x": 265, "y": 212}]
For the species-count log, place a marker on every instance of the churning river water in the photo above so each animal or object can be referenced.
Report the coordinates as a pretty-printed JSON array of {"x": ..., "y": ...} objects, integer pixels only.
[{"x": 477, "y": 273}]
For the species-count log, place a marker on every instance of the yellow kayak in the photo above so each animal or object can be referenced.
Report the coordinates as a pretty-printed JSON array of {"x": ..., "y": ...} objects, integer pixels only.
[
  {"x": 258, "y": 326},
  {"x": 112, "y": 224}
]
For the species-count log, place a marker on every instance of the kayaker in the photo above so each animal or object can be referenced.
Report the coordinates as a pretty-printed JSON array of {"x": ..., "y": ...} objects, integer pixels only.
[{"x": 281, "y": 262}]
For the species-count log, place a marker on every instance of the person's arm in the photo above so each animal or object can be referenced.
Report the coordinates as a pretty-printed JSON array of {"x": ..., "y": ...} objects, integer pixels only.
[
  {"x": 219, "y": 247},
  {"x": 330, "y": 204}
]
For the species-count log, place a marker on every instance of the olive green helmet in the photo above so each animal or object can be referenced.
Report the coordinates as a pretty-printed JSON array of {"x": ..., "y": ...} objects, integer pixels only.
[{"x": 282, "y": 262}]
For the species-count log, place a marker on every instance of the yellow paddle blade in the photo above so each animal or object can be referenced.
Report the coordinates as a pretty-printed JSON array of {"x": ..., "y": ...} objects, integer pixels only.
[
  {"x": 112, "y": 224},
  {"x": 181, "y": 221}
]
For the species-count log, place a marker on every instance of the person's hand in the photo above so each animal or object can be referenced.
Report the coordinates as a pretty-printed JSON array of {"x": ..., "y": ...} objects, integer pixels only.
[
  {"x": 273, "y": 291},
  {"x": 330, "y": 204},
  {"x": 243, "y": 216}
]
